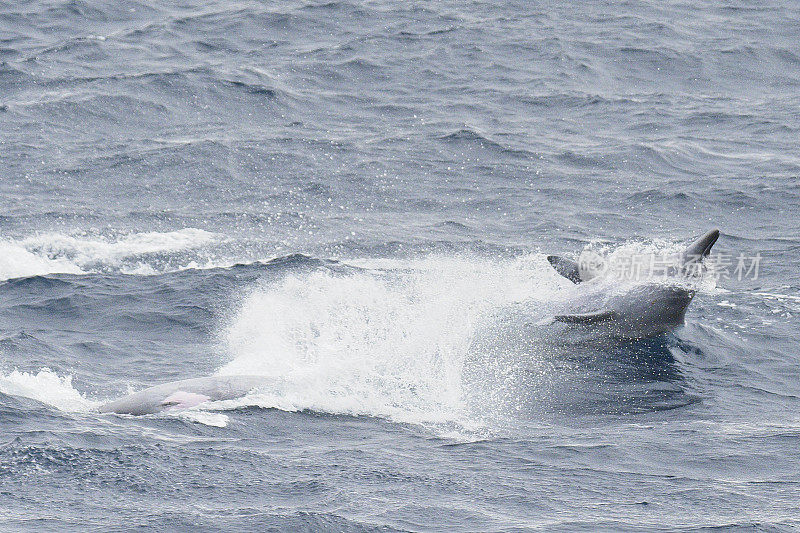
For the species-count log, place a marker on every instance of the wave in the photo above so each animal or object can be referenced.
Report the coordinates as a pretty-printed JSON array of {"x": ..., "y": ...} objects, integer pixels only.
[
  {"x": 46, "y": 387},
  {"x": 136, "y": 253},
  {"x": 16, "y": 262},
  {"x": 471, "y": 138}
]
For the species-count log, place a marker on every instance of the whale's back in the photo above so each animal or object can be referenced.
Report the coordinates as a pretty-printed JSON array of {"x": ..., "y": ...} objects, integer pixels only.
[{"x": 183, "y": 394}]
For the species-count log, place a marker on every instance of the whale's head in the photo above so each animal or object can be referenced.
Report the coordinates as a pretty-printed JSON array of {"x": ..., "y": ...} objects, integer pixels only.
[
  {"x": 652, "y": 308},
  {"x": 649, "y": 309}
]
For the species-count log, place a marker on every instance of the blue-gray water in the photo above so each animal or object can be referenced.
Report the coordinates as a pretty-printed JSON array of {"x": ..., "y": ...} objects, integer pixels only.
[{"x": 336, "y": 195}]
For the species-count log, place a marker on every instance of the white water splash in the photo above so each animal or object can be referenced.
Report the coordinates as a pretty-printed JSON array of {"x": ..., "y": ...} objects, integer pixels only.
[
  {"x": 56, "y": 253},
  {"x": 387, "y": 343},
  {"x": 47, "y": 387},
  {"x": 638, "y": 261},
  {"x": 16, "y": 262},
  {"x": 200, "y": 416}
]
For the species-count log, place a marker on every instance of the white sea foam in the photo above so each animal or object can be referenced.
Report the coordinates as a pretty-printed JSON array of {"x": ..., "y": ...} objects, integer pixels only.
[
  {"x": 201, "y": 416},
  {"x": 47, "y": 387},
  {"x": 387, "y": 343},
  {"x": 17, "y": 262},
  {"x": 57, "y": 253}
]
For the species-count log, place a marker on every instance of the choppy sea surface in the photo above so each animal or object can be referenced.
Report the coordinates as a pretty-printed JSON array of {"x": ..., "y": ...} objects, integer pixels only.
[{"x": 338, "y": 195}]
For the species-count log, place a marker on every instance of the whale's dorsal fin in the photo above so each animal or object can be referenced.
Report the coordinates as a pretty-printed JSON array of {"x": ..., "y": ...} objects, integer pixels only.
[
  {"x": 567, "y": 268},
  {"x": 587, "y": 318}
]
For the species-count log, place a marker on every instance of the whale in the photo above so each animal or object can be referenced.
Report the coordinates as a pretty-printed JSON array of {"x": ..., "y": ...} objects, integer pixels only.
[
  {"x": 598, "y": 327},
  {"x": 598, "y": 304},
  {"x": 631, "y": 310},
  {"x": 183, "y": 394}
]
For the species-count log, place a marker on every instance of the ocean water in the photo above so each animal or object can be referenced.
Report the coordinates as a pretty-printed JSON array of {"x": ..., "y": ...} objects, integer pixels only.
[{"x": 340, "y": 196}]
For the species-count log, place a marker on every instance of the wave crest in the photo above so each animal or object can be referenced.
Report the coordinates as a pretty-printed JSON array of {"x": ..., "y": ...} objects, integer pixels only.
[{"x": 135, "y": 253}]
